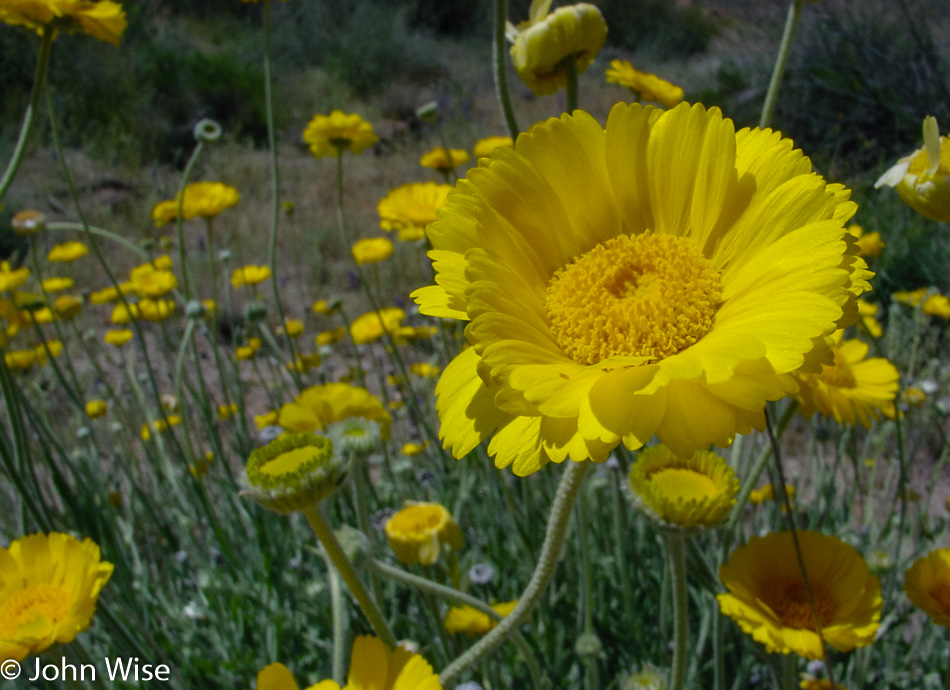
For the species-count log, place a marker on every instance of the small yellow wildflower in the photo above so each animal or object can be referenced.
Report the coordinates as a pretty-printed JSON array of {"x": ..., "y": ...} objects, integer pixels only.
[
  {"x": 417, "y": 533},
  {"x": 937, "y": 305},
  {"x": 250, "y": 275},
  {"x": 330, "y": 337},
  {"x": 67, "y": 306},
  {"x": 11, "y": 279},
  {"x": 118, "y": 337},
  {"x": 57, "y": 284},
  {"x": 202, "y": 200},
  {"x": 413, "y": 449},
  {"x": 869, "y": 244},
  {"x": 266, "y": 419},
  {"x": 374, "y": 325},
  {"x": 331, "y": 135},
  {"x": 96, "y": 408},
  {"x": 104, "y": 20},
  {"x": 408, "y": 209},
  {"x": 443, "y": 160},
  {"x": 646, "y": 86},
  {"x": 159, "y": 425},
  {"x": 484, "y": 147},
  {"x": 67, "y": 252},
  {"x": 471, "y": 621},
  {"x": 372, "y": 250},
  {"x": 227, "y": 411}
]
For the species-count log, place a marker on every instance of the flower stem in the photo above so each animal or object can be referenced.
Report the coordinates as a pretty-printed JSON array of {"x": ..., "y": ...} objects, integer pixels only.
[
  {"x": 339, "y": 622},
  {"x": 791, "y": 24},
  {"x": 186, "y": 276},
  {"x": 39, "y": 79},
  {"x": 554, "y": 538},
  {"x": 500, "y": 67},
  {"x": 348, "y": 573},
  {"x": 453, "y": 595},
  {"x": 676, "y": 546}
]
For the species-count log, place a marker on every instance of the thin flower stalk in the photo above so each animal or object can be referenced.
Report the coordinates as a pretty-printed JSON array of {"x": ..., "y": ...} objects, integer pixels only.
[
  {"x": 500, "y": 67},
  {"x": 339, "y": 622},
  {"x": 788, "y": 37},
  {"x": 589, "y": 657},
  {"x": 186, "y": 277},
  {"x": 343, "y": 565},
  {"x": 558, "y": 520},
  {"x": 676, "y": 548}
]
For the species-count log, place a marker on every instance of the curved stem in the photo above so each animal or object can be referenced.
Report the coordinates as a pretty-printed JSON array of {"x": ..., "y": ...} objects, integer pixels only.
[
  {"x": 348, "y": 573},
  {"x": 39, "y": 79},
  {"x": 791, "y": 24},
  {"x": 454, "y": 595},
  {"x": 543, "y": 571},
  {"x": 676, "y": 546},
  {"x": 131, "y": 246},
  {"x": 499, "y": 63}
]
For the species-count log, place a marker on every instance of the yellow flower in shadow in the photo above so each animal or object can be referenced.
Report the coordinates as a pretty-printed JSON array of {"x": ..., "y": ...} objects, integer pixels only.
[
  {"x": 67, "y": 252},
  {"x": 372, "y": 250},
  {"x": 317, "y": 407},
  {"x": 471, "y": 621},
  {"x": 250, "y": 275},
  {"x": 49, "y": 585},
  {"x": 202, "y": 200},
  {"x": 331, "y": 135},
  {"x": 104, "y": 19},
  {"x": 443, "y": 160},
  {"x": 927, "y": 585},
  {"x": 408, "y": 209},
  {"x": 418, "y": 532},
  {"x": 922, "y": 179},
  {"x": 645, "y": 86},
  {"x": 767, "y": 596}
]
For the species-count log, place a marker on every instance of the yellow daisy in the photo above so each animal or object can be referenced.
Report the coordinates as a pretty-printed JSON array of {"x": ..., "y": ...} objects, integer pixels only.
[
  {"x": 646, "y": 86},
  {"x": 685, "y": 492},
  {"x": 484, "y": 147},
  {"x": 250, "y": 275},
  {"x": 869, "y": 244},
  {"x": 937, "y": 305},
  {"x": 12, "y": 278},
  {"x": 768, "y": 599},
  {"x": 202, "y": 200},
  {"x": 410, "y": 208},
  {"x": 867, "y": 318},
  {"x": 613, "y": 297},
  {"x": 329, "y": 337},
  {"x": 852, "y": 389},
  {"x": 318, "y": 407},
  {"x": 104, "y": 19},
  {"x": 117, "y": 337},
  {"x": 372, "y": 250},
  {"x": 372, "y": 667},
  {"x": 331, "y": 135},
  {"x": 471, "y": 621},
  {"x": 57, "y": 284},
  {"x": 96, "y": 408},
  {"x": 417, "y": 533},
  {"x": 294, "y": 472},
  {"x": 67, "y": 307},
  {"x": 922, "y": 179},
  {"x": 49, "y": 585},
  {"x": 927, "y": 584},
  {"x": 372, "y": 326},
  {"x": 155, "y": 309},
  {"x": 443, "y": 160},
  {"x": 150, "y": 281},
  {"x": 543, "y": 42},
  {"x": 67, "y": 252}
]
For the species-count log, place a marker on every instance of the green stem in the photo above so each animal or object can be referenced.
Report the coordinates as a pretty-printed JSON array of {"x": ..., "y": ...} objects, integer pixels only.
[
  {"x": 791, "y": 24},
  {"x": 179, "y": 221},
  {"x": 554, "y": 538},
  {"x": 500, "y": 64},
  {"x": 676, "y": 545},
  {"x": 39, "y": 79},
  {"x": 788, "y": 672},
  {"x": 131, "y": 246},
  {"x": 335, "y": 553},
  {"x": 571, "y": 101},
  {"x": 339, "y": 622},
  {"x": 456, "y": 596},
  {"x": 587, "y": 594}
]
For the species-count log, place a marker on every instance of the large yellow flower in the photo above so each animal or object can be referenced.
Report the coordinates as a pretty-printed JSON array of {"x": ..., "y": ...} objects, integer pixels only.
[
  {"x": 851, "y": 389},
  {"x": 646, "y": 86},
  {"x": 927, "y": 584},
  {"x": 410, "y": 208},
  {"x": 663, "y": 276},
  {"x": 922, "y": 179},
  {"x": 104, "y": 19},
  {"x": 768, "y": 599},
  {"x": 372, "y": 667},
  {"x": 331, "y": 135},
  {"x": 544, "y": 41},
  {"x": 202, "y": 200},
  {"x": 49, "y": 585},
  {"x": 318, "y": 407}
]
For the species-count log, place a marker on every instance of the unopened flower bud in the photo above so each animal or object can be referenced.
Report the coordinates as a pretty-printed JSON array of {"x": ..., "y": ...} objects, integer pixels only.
[{"x": 207, "y": 131}]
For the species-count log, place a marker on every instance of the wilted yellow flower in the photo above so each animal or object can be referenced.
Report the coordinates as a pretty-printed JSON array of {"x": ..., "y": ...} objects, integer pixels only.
[
  {"x": 646, "y": 86},
  {"x": 768, "y": 599},
  {"x": 443, "y": 160},
  {"x": 372, "y": 250},
  {"x": 118, "y": 337},
  {"x": 11, "y": 279},
  {"x": 869, "y": 244},
  {"x": 104, "y": 19},
  {"x": 318, "y": 407},
  {"x": 331, "y": 135},
  {"x": 684, "y": 492},
  {"x": 408, "y": 209},
  {"x": 150, "y": 281},
  {"x": 852, "y": 389},
  {"x": 613, "y": 297},
  {"x": 67, "y": 306},
  {"x": 49, "y": 585},
  {"x": 374, "y": 325},
  {"x": 372, "y": 667},
  {"x": 57, "y": 284},
  {"x": 417, "y": 533},
  {"x": 471, "y": 621},
  {"x": 96, "y": 408},
  {"x": 67, "y": 252},
  {"x": 484, "y": 147},
  {"x": 927, "y": 584},
  {"x": 542, "y": 43},
  {"x": 202, "y": 200},
  {"x": 922, "y": 179},
  {"x": 250, "y": 275}
]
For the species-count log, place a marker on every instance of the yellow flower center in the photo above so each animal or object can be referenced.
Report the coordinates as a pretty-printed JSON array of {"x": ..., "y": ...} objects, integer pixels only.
[
  {"x": 646, "y": 295},
  {"x": 789, "y": 601},
  {"x": 838, "y": 374},
  {"x": 678, "y": 483},
  {"x": 288, "y": 462},
  {"x": 39, "y": 601}
]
